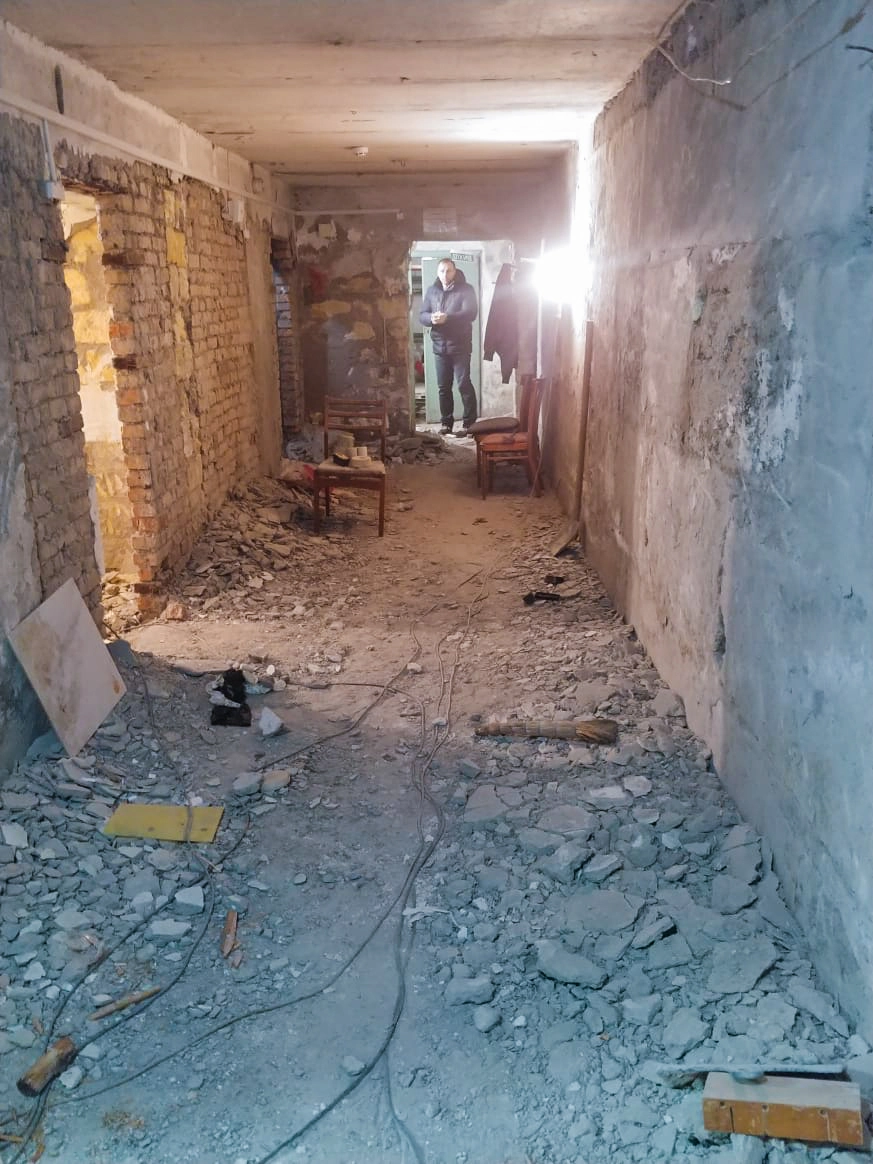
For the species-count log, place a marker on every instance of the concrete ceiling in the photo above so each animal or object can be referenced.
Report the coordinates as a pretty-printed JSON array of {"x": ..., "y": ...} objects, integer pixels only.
[{"x": 426, "y": 85}]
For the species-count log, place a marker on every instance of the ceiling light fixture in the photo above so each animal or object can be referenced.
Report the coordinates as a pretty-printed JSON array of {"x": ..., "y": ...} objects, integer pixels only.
[{"x": 360, "y": 151}]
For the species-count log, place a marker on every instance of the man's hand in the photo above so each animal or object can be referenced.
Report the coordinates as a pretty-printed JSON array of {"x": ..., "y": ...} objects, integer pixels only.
[{"x": 438, "y": 317}]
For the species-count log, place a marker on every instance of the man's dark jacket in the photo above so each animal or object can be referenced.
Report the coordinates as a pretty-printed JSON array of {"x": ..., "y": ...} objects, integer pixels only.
[{"x": 458, "y": 301}]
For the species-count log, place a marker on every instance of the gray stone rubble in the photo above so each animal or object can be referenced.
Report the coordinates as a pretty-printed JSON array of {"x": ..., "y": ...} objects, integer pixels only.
[{"x": 590, "y": 913}]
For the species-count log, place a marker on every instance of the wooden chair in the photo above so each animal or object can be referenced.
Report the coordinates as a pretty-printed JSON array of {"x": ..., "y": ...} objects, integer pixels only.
[
  {"x": 517, "y": 448},
  {"x": 502, "y": 424},
  {"x": 359, "y": 417}
]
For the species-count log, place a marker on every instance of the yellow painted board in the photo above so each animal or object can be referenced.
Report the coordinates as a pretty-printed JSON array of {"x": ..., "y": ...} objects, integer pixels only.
[{"x": 164, "y": 822}]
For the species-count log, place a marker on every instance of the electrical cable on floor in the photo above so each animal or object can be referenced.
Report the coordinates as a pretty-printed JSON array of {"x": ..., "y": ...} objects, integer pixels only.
[
  {"x": 425, "y": 852},
  {"x": 133, "y": 1012}
]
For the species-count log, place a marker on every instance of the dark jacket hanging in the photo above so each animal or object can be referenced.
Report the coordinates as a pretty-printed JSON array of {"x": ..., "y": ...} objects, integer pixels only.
[{"x": 501, "y": 330}]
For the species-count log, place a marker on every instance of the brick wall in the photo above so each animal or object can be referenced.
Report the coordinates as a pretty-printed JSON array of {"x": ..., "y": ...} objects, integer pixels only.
[
  {"x": 46, "y": 535},
  {"x": 35, "y": 305},
  {"x": 182, "y": 337},
  {"x": 286, "y": 288}
]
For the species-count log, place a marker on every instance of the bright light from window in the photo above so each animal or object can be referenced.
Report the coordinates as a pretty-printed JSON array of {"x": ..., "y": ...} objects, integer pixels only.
[{"x": 562, "y": 276}]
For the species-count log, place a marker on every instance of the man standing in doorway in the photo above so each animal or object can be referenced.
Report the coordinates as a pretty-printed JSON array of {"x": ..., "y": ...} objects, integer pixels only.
[{"x": 449, "y": 308}]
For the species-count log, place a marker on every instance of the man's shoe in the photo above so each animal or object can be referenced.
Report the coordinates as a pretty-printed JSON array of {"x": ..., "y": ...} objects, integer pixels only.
[
  {"x": 445, "y": 431},
  {"x": 464, "y": 432}
]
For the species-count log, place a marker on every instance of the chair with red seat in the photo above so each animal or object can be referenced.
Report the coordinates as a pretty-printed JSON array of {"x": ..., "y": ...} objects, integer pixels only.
[
  {"x": 502, "y": 424},
  {"x": 516, "y": 448}
]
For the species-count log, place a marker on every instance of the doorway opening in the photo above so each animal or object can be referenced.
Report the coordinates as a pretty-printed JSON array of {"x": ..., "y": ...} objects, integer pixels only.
[
  {"x": 111, "y": 511},
  {"x": 481, "y": 262}
]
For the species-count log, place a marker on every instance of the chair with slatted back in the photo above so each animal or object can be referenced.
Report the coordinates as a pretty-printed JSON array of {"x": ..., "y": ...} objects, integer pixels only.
[
  {"x": 517, "y": 448},
  {"x": 362, "y": 418},
  {"x": 502, "y": 424}
]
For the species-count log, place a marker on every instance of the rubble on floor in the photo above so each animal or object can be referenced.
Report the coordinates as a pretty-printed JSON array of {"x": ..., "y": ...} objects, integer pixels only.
[
  {"x": 591, "y": 913},
  {"x": 120, "y": 607}
]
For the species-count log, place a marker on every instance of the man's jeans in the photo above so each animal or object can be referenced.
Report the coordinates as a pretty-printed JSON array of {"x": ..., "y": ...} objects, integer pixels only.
[{"x": 454, "y": 367}]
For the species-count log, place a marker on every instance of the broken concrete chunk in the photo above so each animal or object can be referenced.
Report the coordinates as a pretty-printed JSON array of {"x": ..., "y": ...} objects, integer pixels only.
[
  {"x": 667, "y": 705},
  {"x": 602, "y": 866},
  {"x": 537, "y": 841},
  {"x": 484, "y": 806},
  {"x": 190, "y": 900},
  {"x": 641, "y": 1011},
  {"x": 805, "y": 997},
  {"x": 462, "y": 990},
  {"x": 71, "y": 919},
  {"x": 555, "y": 961},
  {"x": 485, "y": 1018},
  {"x": 602, "y": 911},
  {"x": 637, "y": 785},
  {"x": 14, "y": 835},
  {"x": 671, "y": 951},
  {"x": 564, "y": 862},
  {"x": 168, "y": 930},
  {"x": 247, "y": 783},
  {"x": 568, "y": 819},
  {"x": 270, "y": 723},
  {"x": 738, "y": 966},
  {"x": 610, "y": 796},
  {"x": 275, "y": 780},
  {"x": 729, "y": 895},
  {"x": 684, "y": 1031}
]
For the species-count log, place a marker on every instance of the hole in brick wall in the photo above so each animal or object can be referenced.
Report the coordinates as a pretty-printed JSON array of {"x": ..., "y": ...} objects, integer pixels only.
[{"x": 97, "y": 367}]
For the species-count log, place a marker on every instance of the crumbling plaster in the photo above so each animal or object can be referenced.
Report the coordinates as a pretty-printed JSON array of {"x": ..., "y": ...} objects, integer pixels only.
[{"x": 729, "y": 468}]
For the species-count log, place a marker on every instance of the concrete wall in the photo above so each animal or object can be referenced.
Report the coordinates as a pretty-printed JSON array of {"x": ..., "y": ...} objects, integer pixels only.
[
  {"x": 355, "y": 327},
  {"x": 729, "y": 479}
]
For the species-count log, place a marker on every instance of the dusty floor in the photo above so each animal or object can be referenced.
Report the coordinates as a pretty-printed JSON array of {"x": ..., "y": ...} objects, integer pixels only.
[{"x": 450, "y": 948}]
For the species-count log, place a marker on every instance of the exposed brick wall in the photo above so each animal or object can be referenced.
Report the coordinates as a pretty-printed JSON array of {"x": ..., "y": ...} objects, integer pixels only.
[
  {"x": 286, "y": 287},
  {"x": 182, "y": 337},
  {"x": 37, "y": 325}
]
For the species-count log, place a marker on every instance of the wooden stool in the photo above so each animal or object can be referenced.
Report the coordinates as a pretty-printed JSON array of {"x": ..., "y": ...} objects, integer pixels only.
[{"x": 328, "y": 475}]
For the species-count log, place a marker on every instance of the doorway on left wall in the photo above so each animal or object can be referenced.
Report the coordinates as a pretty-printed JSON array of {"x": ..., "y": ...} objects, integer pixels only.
[{"x": 104, "y": 454}]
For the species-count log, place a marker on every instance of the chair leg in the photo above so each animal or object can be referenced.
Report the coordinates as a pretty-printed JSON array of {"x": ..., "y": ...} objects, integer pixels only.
[
  {"x": 484, "y": 475},
  {"x": 382, "y": 508}
]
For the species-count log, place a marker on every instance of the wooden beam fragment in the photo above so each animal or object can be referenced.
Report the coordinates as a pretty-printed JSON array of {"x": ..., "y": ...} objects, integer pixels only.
[
  {"x": 228, "y": 934},
  {"x": 819, "y": 1110},
  {"x": 123, "y": 1003}
]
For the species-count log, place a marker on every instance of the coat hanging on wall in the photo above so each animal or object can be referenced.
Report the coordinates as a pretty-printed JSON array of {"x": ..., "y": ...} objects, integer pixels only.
[{"x": 501, "y": 330}]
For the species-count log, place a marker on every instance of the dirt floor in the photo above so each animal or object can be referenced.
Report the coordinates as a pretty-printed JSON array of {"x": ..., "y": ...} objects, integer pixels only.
[{"x": 450, "y": 947}]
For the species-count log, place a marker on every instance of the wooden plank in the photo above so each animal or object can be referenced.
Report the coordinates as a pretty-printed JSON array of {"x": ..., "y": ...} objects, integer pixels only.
[
  {"x": 72, "y": 672},
  {"x": 785, "y": 1107},
  {"x": 164, "y": 822}
]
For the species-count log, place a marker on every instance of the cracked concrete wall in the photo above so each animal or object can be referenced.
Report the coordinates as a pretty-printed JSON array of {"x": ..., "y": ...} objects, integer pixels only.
[
  {"x": 729, "y": 471},
  {"x": 354, "y": 271}
]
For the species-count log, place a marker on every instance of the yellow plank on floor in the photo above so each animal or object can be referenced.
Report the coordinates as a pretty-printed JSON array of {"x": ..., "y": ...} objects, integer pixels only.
[{"x": 164, "y": 822}]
